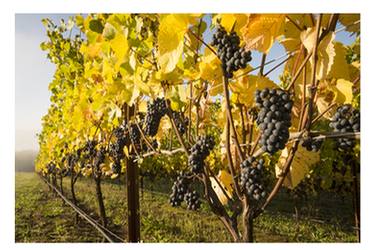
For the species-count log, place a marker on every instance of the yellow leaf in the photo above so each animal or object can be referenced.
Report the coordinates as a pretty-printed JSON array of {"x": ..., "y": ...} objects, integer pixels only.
[
  {"x": 234, "y": 20},
  {"x": 289, "y": 67},
  {"x": 142, "y": 86},
  {"x": 348, "y": 19},
  {"x": 246, "y": 85},
  {"x": 126, "y": 152},
  {"x": 325, "y": 51},
  {"x": 113, "y": 176},
  {"x": 129, "y": 92},
  {"x": 299, "y": 166},
  {"x": 94, "y": 50},
  {"x": 173, "y": 76},
  {"x": 120, "y": 46},
  {"x": 170, "y": 38},
  {"x": 108, "y": 71},
  {"x": 291, "y": 44},
  {"x": 354, "y": 71},
  {"x": 142, "y": 107},
  {"x": 225, "y": 179},
  {"x": 177, "y": 96},
  {"x": 210, "y": 68},
  {"x": 342, "y": 91},
  {"x": 106, "y": 165},
  {"x": 262, "y": 30},
  {"x": 323, "y": 101},
  {"x": 339, "y": 67}
]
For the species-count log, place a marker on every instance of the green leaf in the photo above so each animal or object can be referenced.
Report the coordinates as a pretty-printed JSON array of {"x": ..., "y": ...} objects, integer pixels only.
[
  {"x": 43, "y": 46},
  {"x": 177, "y": 96},
  {"x": 109, "y": 31},
  {"x": 79, "y": 21},
  {"x": 62, "y": 27},
  {"x": 96, "y": 26}
]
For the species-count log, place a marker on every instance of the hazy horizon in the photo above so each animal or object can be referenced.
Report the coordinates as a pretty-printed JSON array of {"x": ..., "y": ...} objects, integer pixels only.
[{"x": 26, "y": 139}]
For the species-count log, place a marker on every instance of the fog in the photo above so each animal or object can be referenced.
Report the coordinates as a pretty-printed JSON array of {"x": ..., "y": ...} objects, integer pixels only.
[{"x": 25, "y": 160}]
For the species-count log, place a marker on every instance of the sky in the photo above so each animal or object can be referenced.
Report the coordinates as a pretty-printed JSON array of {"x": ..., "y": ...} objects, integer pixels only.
[{"x": 34, "y": 72}]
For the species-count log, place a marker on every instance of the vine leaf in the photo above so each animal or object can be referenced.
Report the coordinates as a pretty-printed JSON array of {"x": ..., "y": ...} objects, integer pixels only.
[
  {"x": 177, "y": 96},
  {"x": 225, "y": 179},
  {"x": 120, "y": 46},
  {"x": 339, "y": 67},
  {"x": 348, "y": 19},
  {"x": 322, "y": 103},
  {"x": 245, "y": 87},
  {"x": 235, "y": 21},
  {"x": 262, "y": 30},
  {"x": 325, "y": 51},
  {"x": 170, "y": 39},
  {"x": 342, "y": 91},
  {"x": 299, "y": 167}
]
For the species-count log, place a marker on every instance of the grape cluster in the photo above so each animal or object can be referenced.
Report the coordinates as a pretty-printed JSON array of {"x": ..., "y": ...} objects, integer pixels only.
[
  {"x": 70, "y": 161},
  {"x": 251, "y": 176},
  {"x": 90, "y": 149},
  {"x": 345, "y": 120},
  {"x": 273, "y": 119},
  {"x": 311, "y": 145},
  {"x": 155, "y": 145},
  {"x": 116, "y": 151},
  {"x": 100, "y": 158},
  {"x": 180, "y": 188},
  {"x": 79, "y": 152},
  {"x": 177, "y": 119},
  {"x": 192, "y": 200},
  {"x": 155, "y": 112},
  {"x": 134, "y": 133},
  {"x": 199, "y": 152},
  {"x": 233, "y": 56}
]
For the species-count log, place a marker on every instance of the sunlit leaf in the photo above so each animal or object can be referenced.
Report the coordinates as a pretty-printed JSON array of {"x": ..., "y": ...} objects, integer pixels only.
[
  {"x": 262, "y": 30},
  {"x": 299, "y": 167},
  {"x": 225, "y": 179},
  {"x": 170, "y": 38}
]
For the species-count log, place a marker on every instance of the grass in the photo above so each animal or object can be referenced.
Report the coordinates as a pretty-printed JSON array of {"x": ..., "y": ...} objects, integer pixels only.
[{"x": 41, "y": 217}]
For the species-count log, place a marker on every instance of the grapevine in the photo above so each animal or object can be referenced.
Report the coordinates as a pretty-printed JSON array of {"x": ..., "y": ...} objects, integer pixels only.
[{"x": 98, "y": 122}]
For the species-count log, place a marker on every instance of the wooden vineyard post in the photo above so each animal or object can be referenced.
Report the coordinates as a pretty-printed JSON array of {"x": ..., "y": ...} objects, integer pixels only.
[{"x": 133, "y": 212}]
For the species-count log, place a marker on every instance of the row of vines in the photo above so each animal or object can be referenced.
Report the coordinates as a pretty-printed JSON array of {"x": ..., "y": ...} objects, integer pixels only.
[{"x": 143, "y": 95}]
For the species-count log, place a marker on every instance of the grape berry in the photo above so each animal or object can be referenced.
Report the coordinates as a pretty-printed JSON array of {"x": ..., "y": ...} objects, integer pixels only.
[
  {"x": 274, "y": 119},
  {"x": 345, "y": 121},
  {"x": 311, "y": 145},
  {"x": 199, "y": 152},
  {"x": 155, "y": 112},
  {"x": 251, "y": 178},
  {"x": 233, "y": 56}
]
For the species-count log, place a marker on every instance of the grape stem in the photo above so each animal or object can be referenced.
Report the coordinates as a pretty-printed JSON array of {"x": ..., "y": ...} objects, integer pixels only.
[
  {"x": 262, "y": 64},
  {"x": 330, "y": 27},
  {"x": 286, "y": 169},
  {"x": 170, "y": 114},
  {"x": 143, "y": 136},
  {"x": 313, "y": 71},
  {"x": 229, "y": 123},
  {"x": 297, "y": 26},
  {"x": 298, "y": 59},
  {"x": 356, "y": 80},
  {"x": 322, "y": 113},
  {"x": 198, "y": 38}
]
